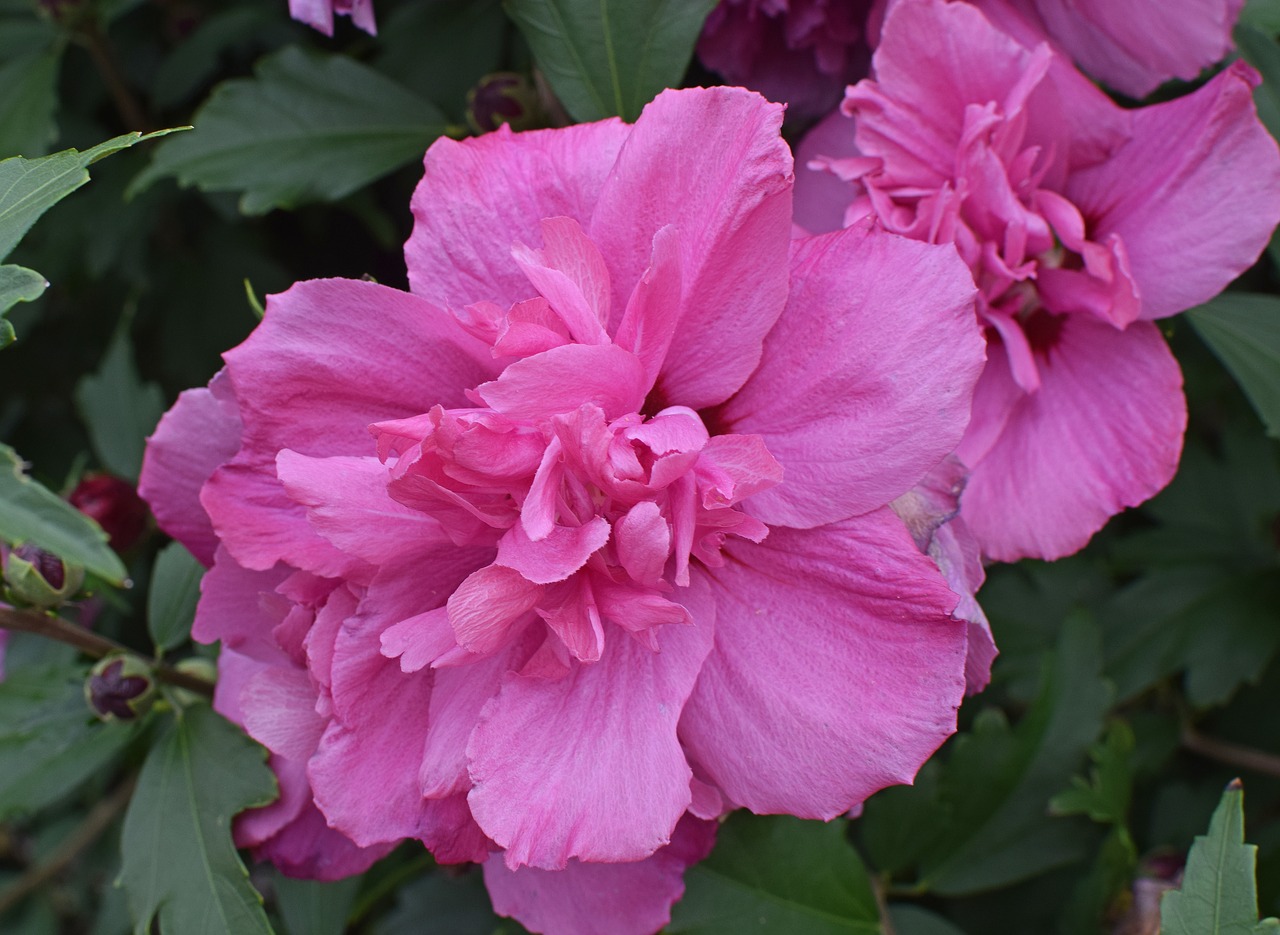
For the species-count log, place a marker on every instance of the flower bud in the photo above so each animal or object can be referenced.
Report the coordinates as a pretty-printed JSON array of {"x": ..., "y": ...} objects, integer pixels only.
[
  {"x": 38, "y": 578},
  {"x": 120, "y": 688},
  {"x": 114, "y": 505},
  {"x": 503, "y": 97}
]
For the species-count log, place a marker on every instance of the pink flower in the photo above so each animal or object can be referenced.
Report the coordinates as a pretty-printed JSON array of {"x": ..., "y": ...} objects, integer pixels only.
[
  {"x": 319, "y": 14},
  {"x": 1129, "y": 45},
  {"x": 1081, "y": 221},
  {"x": 801, "y": 52},
  {"x": 584, "y": 541}
]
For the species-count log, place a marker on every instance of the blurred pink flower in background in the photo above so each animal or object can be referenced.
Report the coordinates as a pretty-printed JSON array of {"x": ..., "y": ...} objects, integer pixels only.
[
  {"x": 584, "y": 541},
  {"x": 1082, "y": 222},
  {"x": 319, "y": 14}
]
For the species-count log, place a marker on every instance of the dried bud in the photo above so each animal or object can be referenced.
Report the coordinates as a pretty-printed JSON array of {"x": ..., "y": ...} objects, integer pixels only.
[
  {"x": 503, "y": 97},
  {"x": 120, "y": 688},
  {"x": 114, "y": 505},
  {"x": 39, "y": 578}
]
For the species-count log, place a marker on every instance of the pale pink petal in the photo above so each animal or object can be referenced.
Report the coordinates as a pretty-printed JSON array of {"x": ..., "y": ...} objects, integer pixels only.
[
  {"x": 642, "y": 539},
  {"x": 1103, "y": 432},
  {"x": 481, "y": 196},
  {"x": 608, "y": 781},
  {"x": 712, "y": 165},
  {"x": 653, "y": 310},
  {"x": 279, "y": 707},
  {"x": 555, "y": 557},
  {"x": 837, "y": 668},
  {"x": 866, "y": 380},
  {"x": 564, "y": 378},
  {"x": 571, "y": 274},
  {"x": 1194, "y": 195},
  {"x": 240, "y": 608},
  {"x": 601, "y": 899},
  {"x": 199, "y": 433},
  {"x": 489, "y": 606}
]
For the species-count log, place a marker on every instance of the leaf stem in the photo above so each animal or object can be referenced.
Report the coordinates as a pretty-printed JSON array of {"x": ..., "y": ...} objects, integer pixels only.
[
  {"x": 93, "y": 644},
  {"x": 1232, "y": 754},
  {"x": 97, "y": 821}
]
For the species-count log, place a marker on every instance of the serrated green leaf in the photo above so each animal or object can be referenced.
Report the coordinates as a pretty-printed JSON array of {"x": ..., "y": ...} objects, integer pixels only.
[
  {"x": 1218, "y": 895},
  {"x": 178, "y": 860},
  {"x": 304, "y": 128},
  {"x": 29, "y": 102},
  {"x": 609, "y": 58},
  {"x": 50, "y": 742},
  {"x": 1104, "y": 796},
  {"x": 30, "y": 187},
  {"x": 119, "y": 409},
  {"x": 29, "y": 512},
  {"x": 312, "y": 907},
  {"x": 1243, "y": 330},
  {"x": 175, "y": 590},
  {"x": 778, "y": 874}
]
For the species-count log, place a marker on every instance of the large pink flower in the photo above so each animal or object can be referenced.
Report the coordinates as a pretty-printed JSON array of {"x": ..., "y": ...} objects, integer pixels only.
[
  {"x": 801, "y": 52},
  {"x": 1081, "y": 221},
  {"x": 584, "y": 541}
]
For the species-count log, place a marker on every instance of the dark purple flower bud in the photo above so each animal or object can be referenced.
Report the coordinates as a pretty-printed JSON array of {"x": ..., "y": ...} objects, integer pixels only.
[
  {"x": 503, "y": 97},
  {"x": 38, "y": 578},
  {"x": 120, "y": 688},
  {"x": 114, "y": 505}
]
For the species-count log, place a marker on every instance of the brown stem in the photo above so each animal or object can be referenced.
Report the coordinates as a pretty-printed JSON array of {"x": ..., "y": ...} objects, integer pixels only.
[
  {"x": 94, "y": 644},
  {"x": 878, "y": 887},
  {"x": 1233, "y": 754},
  {"x": 97, "y": 821},
  {"x": 131, "y": 112}
]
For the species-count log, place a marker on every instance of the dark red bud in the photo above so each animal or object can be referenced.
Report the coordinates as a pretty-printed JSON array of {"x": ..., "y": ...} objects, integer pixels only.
[
  {"x": 119, "y": 687},
  {"x": 115, "y": 505},
  {"x": 504, "y": 97}
]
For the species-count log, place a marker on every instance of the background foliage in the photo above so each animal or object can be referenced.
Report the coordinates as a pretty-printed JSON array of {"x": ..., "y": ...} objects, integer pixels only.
[{"x": 1136, "y": 679}]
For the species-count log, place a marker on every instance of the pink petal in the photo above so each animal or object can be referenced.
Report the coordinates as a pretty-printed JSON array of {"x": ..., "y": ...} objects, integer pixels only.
[
  {"x": 556, "y": 557},
  {"x": 279, "y": 708},
  {"x": 821, "y": 196},
  {"x": 588, "y": 766},
  {"x": 308, "y": 848},
  {"x": 487, "y": 608},
  {"x": 643, "y": 542},
  {"x": 1194, "y": 215},
  {"x": 601, "y": 899},
  {"x": 199, "y": 433},
  {"x": 571, "y": 274},
  {"x": 564, "y": 378},
  {"x": 1103, "y": 432},
  {"x": 467, "y": 215},
  {"x": 866, "y": 380},
  {"x": 653, "y": 311},
  {"x": 710, "y": 163},
  {"x": 837, "y": 668},
  {"x": 240, "y": 608}
]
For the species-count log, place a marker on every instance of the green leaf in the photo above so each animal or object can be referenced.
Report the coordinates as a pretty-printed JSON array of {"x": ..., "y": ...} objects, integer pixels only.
[
  {"x": 1108, "y": 882},
  {"x": 30, "y": 187},
  {"x": 1104, "y": 796},
  {"x": 50, "y": 742},
  {"x": 178, "y": 860},
  {"x": 1243, "y": 330},
  {"x": 610, "y": 57},
  {"x": 175, "y": 589},
  {"x": 1263, "y": 15},
  {"x": 1263, "y": 54},
  {"x": 17, "y": 284},
  {"x": 29, "y": 512},
  {"x": 118, "y": 409},
  {"x": 310, "y": 907},
  {"x": 1218, "y": 895},
  {"x": 29, "y": 102},
  {"x": 987, "y": 825},
  {"x": 439, "y": 904},
  {"x": 912, "y": 920},
  {"x": 305, "y": 128},
  {"x": 778, "y": 874}
]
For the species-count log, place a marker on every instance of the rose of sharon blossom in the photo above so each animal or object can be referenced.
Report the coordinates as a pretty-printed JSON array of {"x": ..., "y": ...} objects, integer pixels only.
[
  {"x": 319, "y": 14},
  {"x": 1081, "y": 221},
  {"x": 802, "y": 52},
  {"x": 584, "y": 541}
]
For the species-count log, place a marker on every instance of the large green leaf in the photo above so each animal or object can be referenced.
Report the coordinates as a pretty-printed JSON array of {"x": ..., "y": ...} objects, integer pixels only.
[
  {"x": 119, "y": 409},
  {"x": 304, "y": 128},
  {"x": 778, "y": 874},
  {"x": 29, "y": 101},
  {"x": 312, "y": 907},
  {"x": 175, "y": 590},
  {"x": 49, "y": 740},
  {"x": 30, "y": 187},
  {"x": 29, "y": 512},
  {"x": 609, "y": 58},
  {"x": 444, "y": 904},
  {"x": 178, "y": 860},
  {"x": 1218, "y": 895},
  {"x": 1243, "y": 329}
]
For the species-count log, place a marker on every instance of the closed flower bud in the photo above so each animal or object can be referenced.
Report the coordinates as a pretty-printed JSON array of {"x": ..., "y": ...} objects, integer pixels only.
[
  {"x": 503, "y": 97},
  {"x": 38, "y": 578},
  {"x": 120, "y": 688},
  {"x": 114, "y": 505}
]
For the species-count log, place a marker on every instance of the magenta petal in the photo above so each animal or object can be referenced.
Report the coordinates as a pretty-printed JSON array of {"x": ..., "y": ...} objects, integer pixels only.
[
  {"x": 466, "y": 217},
  {"x": 649, "y": 323},
  {"x": 279, "y": 707},
  {"x": 555, "y": 557},
  {"x": 308, "y": 848},
  {"x": 1196, "y": 212},
  {"x": 710, "y": 163},
  {"x": 601, "y": 899},
  {"x": 588, "y": 766},
  {"x": 837, "y": 668},
  {"x": 564, "y": 378},
  {"x": 866, "y": 380},
  {"x": 199, "y": 433},
  {"x": 570, "y": 273},
  {"x": 822, "y": 196},
  {"x": 487, "y": 607},
  {"x": 240, "y": 607},
  {"x": 1103, "y": 432}
]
